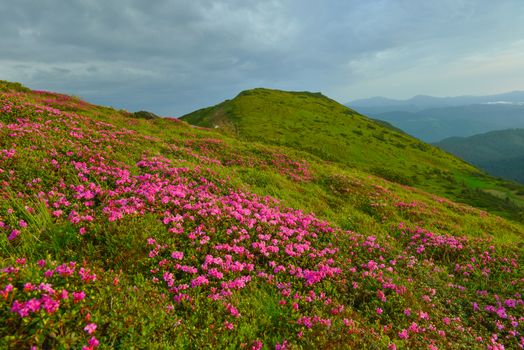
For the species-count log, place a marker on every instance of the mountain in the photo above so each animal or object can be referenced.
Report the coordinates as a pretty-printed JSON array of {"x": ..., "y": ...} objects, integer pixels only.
[
  {"x": 500, "y": 153},
  {"x": 376, "y": 105},
  {"x": 432, "y": 119},
  {"x": 122, "y": 231},
  {"x": 314, "y": 123},
  {"x": 433, "y": 125}
]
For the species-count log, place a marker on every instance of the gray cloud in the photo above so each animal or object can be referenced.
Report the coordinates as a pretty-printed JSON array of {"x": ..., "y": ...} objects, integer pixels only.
[{"x": 172, "y": 57}]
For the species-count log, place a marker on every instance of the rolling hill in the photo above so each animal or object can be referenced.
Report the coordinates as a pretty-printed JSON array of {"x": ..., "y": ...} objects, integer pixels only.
[
  {"x": 121, "y": 230},
  {"x": 500, "y": 153},
  {"x": 314, "y": 123}
]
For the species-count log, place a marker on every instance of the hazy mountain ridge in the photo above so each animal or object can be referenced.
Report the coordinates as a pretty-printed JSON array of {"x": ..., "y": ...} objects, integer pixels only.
[
  {"x": 433, "y": 125},
  {"x": 418, "y": 103},
  {"x": 500, "y": 153}
]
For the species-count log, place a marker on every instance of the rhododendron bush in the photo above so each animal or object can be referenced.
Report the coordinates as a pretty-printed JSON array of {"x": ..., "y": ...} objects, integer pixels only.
[{"x": 112, "y": 238}]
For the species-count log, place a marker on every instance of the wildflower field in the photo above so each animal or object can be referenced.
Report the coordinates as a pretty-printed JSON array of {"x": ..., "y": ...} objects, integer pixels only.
[{"x": 121, "y": 232}]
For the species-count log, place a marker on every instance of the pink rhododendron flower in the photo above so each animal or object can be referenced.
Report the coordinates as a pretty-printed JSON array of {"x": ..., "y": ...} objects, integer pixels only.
[
  {"x": 403, "y": 334},
  {"x": 78, "y": 296},
  {"x": 13, "y": 235},
  {"x": 90, "y": 328}
]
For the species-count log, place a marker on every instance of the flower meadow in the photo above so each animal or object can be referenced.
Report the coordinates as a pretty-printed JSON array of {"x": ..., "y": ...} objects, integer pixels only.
[{"x": 114, "y": 237}]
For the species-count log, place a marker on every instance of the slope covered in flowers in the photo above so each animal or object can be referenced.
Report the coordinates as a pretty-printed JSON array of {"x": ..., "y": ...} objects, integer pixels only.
[{"x": 120, "y": 233}]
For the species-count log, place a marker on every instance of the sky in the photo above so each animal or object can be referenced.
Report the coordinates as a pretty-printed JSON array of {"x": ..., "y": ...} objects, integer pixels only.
[{"x": 174, "y": 56}]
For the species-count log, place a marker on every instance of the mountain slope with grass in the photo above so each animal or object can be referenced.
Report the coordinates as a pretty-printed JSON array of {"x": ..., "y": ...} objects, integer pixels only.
[
  {"x": 126, "y": 232},
  {"x": 316, "y": 124},
  {"x": 500, "y": 153}
]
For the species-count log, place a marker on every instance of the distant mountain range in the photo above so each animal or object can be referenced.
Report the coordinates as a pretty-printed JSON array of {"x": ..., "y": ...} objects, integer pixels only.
[
  {"x": 433, "y": 125},
  {"x": 418, "y": 103},
  {"x": 500, "y": 153},
  {"x": 432, "y": 119}
]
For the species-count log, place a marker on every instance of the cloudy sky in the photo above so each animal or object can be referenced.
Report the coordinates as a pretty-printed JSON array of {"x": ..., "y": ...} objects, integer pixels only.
[{"x": 174, "y": 56}]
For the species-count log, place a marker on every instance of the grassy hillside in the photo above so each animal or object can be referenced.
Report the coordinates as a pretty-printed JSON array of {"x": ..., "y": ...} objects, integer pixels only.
[
  {"x": 314, "y": 123},
  {"x": 500, "y": 153},
  {"x": 125, "y": 232}
]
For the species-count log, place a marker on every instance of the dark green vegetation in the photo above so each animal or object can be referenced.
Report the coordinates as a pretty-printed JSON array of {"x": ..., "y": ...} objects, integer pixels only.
[
  {"x": 500, "y": 153},
  {"x": 144, "y": 115},
  {"x": 119, "y": 232},
  {"x": 320, "y": 126}
]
